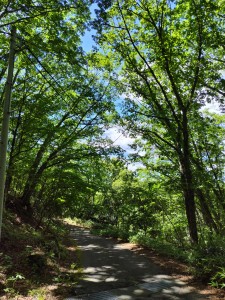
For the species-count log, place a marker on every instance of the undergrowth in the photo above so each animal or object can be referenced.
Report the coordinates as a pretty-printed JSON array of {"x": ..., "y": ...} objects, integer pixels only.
[{"x": 37, "y": 263}]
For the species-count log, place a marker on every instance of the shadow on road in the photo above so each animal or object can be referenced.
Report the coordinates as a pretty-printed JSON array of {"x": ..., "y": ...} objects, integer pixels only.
[{"x": 111, "y": 272}]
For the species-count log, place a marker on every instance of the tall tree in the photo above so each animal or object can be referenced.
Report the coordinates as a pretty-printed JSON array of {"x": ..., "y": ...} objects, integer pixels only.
[
  {"x": 162, "y": 45},
  {"x": 5, "y": 121},
  {"x": 61, "y": 103}
]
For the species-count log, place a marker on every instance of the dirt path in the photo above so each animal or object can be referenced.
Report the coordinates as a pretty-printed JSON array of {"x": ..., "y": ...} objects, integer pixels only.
[{"x": 113, "y": 272}]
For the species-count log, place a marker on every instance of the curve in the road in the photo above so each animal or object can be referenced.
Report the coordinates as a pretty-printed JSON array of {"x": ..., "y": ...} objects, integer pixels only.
[{"x": 111, "y": 272}]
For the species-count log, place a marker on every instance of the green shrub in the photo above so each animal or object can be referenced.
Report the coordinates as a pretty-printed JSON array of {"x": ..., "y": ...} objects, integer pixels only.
[
  {"x": 208, "y": 259},
  {"x": 218, "y": 280}
]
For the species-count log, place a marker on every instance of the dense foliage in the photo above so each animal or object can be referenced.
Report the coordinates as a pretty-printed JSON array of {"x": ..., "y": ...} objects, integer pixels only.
[
  {"x": 60, "y": 105},
  {"x": 165, "y": 61}
]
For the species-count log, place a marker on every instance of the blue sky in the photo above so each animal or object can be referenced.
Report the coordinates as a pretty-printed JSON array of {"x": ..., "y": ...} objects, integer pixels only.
[{"x": 87, "y": 40}]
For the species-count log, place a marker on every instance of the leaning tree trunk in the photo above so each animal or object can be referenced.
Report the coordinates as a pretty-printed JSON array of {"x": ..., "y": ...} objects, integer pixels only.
[
  {"x": 30, "y": 187},
  {"x": 36, "y": 171},
  {"x": 206, "y": 213}
]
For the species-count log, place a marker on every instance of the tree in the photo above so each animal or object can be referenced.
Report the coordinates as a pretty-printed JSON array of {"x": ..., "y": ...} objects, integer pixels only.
[
  {"x": 61, "y": 103},
  {"x": 163, "y": 46},
  {"x": 5, "y": 122}
]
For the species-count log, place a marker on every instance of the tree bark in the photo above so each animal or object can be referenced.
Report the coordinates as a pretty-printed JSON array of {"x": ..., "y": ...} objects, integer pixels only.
[
  {"x": 35, "y": 170},
  {"x": 9, "y": 175},
  {"x": 207, "y": 216},
  {"x": 187, "y": 182},
  {"x": 5, "y": 122}
]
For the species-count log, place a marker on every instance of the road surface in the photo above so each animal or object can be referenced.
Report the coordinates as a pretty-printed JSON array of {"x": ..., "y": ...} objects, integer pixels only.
[{"x": 112, "y": 272}]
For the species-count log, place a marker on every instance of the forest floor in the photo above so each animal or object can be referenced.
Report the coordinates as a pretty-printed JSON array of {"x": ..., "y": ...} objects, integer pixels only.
[
  {"x": 40, "y": 264},
  {"x": 55, "y": 264}
]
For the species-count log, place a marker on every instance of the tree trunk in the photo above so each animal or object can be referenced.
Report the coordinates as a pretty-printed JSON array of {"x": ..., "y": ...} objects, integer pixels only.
[
  {"x": 35, "y": 170},
  {"x": 30, "y": 187},
  {"x": 187, "y": 182},
  {"x": 34, "y": 179},
  {"x": 5, "y": 122},
  {"x": 190, "y": 209},
  {"x": 207, "y": 216},
  {"x": 9, "y": 175}
]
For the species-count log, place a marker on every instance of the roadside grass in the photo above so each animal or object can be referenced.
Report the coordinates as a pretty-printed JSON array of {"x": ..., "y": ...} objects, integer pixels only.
[{"x": 37, "y": 263}]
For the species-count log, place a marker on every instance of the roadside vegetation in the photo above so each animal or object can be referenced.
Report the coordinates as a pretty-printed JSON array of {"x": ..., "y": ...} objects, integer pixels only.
[{"x": 37, "y": 263}]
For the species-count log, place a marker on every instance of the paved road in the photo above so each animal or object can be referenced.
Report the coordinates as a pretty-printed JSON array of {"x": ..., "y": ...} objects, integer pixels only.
[{"x": 112, "y": 272}]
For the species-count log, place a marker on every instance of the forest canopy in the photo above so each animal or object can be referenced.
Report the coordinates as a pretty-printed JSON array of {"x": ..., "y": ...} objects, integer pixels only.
[{"x": 164, "y": 60}]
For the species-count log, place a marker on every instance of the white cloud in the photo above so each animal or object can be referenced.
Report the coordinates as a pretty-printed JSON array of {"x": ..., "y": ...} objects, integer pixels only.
[
  {"x": 213, "y": 107},
  {"x": 132, "y": 97},
  {"x": 135, "y": 166},
  {"x": 124, "y": 141},
  {"x": 120, "y": 139}
]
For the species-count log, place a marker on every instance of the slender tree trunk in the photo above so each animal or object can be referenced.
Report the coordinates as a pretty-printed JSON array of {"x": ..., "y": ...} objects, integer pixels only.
[
  {"x": 34, "y": 179},
  {"x": 5, "y": 122},
  {"x": 212, "y": 210},
  {"x": 36, "y": 171},
  {"x": 30, "y": 187},
  {"x": 9, "y": 175}
]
